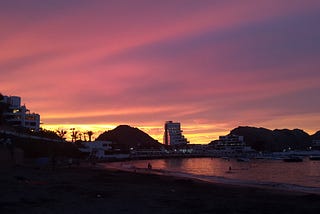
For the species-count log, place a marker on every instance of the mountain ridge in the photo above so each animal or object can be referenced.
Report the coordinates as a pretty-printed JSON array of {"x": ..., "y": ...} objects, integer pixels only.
[
  {"x": 263, "y": 139},
  {"x": 126, "y": 137}
]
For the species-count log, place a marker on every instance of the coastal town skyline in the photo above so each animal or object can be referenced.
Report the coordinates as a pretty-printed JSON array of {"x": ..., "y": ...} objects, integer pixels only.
[{"x": 210, "y": 65}]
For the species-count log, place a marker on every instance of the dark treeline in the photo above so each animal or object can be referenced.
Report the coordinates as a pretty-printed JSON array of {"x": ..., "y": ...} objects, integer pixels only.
[{"x": 34, "y": 148}]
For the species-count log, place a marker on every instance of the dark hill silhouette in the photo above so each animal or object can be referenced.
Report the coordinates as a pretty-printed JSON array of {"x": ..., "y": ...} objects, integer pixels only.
[
  {"x": 257, "y": 138},
  {"x": 125, "y": 137},
  {"x": 316, "y": 136},
  {"x": 263, "y": 139}
]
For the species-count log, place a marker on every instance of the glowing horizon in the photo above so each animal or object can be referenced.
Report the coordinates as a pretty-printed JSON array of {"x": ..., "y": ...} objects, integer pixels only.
[
  {"x": 195, "y": 136},
  {"x": 210, "y": 65}
]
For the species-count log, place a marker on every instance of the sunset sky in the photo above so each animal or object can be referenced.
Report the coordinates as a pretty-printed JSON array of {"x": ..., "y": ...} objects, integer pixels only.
[{"x": 212, "y": 65}]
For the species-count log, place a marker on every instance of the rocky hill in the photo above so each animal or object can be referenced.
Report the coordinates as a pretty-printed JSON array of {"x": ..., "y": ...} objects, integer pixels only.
[
  {"x": 263, "y": 139},
  {"x": 125, "y": 137}
]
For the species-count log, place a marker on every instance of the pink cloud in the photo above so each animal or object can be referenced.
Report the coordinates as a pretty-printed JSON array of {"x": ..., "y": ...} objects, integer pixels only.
[{"x": 150, "y": 62}]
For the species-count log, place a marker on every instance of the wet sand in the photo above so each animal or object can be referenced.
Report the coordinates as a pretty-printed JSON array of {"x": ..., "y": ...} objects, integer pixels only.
[{"x": 94, "y": 190}]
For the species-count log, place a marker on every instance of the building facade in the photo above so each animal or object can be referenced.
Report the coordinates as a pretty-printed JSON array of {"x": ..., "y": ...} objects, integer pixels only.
[
  {"x": 315, "y": 144},
  {"x": 230, "y": 145},
  {"x": 173, "y": 134},
  {"x": 17, "y": 115},
  {"x": 96, "y": 149}
]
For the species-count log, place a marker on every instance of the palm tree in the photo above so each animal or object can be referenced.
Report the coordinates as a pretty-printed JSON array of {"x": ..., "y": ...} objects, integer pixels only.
[
  {"x": 84, "y": 136},
  {"x": 61, "y": 133},
  {"x": 74, "y": 135},
  {"x": 89, "y": 133}
]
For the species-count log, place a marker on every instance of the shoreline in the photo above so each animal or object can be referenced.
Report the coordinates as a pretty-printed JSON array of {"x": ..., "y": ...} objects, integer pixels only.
[
  {"x": 290, "y": 188},
  {"x": 90, "y": 189}
]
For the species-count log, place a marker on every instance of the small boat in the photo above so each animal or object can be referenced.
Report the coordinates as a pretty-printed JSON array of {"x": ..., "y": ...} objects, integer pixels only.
[
  {"x": 293, "y": 159},
  {"x": 243, "y": 159},
  {"x": 314, "y": 157},
  {"x": 226, "y": 158}
]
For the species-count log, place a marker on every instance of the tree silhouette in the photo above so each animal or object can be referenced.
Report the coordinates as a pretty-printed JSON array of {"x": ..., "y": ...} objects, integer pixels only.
[
  {"x": 84, "y": 136},
  {"x": 74, "y": 135},
  {"x": 89, "y": 133},
  {"x": 61, "y": 133},
  {"x": 44, "y": 133}
]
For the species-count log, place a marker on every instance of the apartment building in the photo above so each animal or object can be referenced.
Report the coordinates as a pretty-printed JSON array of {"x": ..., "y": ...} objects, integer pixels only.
[
  {"x": 173, "y": 134},
  {"x": 18, "y": 115}
]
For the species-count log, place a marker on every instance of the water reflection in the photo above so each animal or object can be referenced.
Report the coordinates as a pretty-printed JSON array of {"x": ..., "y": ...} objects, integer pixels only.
[
  {"x": 177, "y": 163},
  {"x": 304, "y": 173}
]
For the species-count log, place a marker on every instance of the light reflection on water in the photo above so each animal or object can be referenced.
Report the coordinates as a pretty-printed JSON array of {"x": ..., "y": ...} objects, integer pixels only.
[{"x": 306, "y": 173}]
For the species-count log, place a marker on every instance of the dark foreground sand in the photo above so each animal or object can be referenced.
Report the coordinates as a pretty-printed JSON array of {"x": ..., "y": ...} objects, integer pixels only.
[{"x": 92, "y": 190}]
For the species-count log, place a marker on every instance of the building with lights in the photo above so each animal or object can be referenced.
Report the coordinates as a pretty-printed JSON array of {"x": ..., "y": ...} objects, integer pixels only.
[
  {"x": 173, "y": 134},
  {"x": 18, "y": 115},
  {"x": 230, "y": 145}
]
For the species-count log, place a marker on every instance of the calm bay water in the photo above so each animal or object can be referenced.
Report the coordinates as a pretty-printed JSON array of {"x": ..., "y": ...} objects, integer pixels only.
[{"x": 304, "y": 174}]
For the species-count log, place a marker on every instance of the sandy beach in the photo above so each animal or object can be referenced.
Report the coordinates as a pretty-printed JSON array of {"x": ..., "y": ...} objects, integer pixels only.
[{"x": 93, "y": 190}]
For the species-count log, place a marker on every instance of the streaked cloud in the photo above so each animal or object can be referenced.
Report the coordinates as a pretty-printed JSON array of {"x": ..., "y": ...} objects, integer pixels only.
[{"x": 212, "y": 65}]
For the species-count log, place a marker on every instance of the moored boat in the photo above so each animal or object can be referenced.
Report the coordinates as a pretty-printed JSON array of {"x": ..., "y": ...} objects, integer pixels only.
[
  {"x": 243, "y": 159},
  {"x": 293, "y": 159},
  {"x": 314, "y": 157}
]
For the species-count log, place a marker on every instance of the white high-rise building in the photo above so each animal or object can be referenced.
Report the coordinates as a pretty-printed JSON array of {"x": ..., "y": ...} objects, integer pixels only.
[
  {"x": 17, "y": 115},
  {"x": 173, "y": 134}
]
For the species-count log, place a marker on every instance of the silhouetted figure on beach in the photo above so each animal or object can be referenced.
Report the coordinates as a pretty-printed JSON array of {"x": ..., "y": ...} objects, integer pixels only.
[
  {"x": 70, "y": 162},
  {"x": 149, "y": 166},
  {"x": 53, "y": 162}
]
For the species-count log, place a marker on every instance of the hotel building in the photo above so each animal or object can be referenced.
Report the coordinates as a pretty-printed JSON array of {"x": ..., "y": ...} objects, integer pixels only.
[
  {"x": 231, "y": 144},
  {"x": 173, "y": 134},
  {"x": 17, "y": 115}
]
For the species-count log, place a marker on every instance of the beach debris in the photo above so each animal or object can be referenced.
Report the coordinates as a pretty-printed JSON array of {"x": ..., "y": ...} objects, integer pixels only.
[{"x": 22, "y": 179}]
